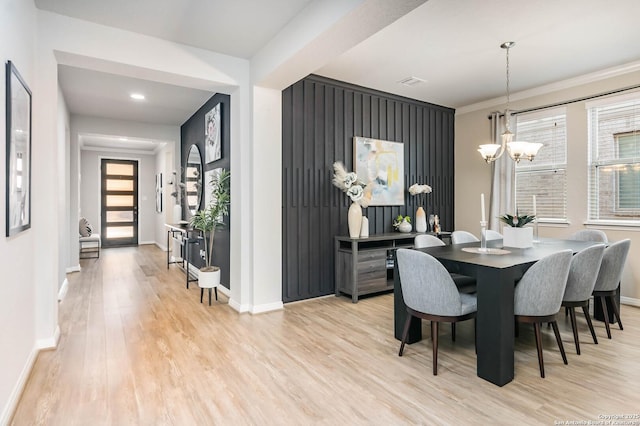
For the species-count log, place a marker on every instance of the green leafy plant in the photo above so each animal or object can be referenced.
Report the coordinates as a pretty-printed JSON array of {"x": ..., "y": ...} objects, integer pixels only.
[
  {"x": 517, "y": 221},
  {"x": 398, "y": 220},
  {"x": 211, "y": 218}
]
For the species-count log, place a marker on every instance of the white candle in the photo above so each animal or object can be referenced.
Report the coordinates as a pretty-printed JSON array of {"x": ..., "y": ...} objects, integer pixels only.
[
  {"x": 482, "y": 207},
  {"x": 534, "y": 205}
]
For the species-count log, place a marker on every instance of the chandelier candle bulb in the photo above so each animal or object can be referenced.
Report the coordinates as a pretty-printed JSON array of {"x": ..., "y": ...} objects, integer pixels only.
[{"x": 482, "y": 207}]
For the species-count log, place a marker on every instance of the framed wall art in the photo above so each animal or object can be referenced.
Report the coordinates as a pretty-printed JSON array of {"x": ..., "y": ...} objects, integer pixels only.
[
  {"x": 18, "y": 156},
  {"x": 380, "y": 165},
  {"x": 213, "y": 140}
]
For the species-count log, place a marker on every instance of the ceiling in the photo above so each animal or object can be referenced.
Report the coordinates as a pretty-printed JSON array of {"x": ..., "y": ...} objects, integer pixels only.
[{"x": 452, "y": 45}]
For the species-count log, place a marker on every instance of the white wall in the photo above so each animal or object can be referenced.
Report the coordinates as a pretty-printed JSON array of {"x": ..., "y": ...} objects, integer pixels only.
[
  {"x": 64, "y": 188},
  {"x": 18, "y": 290},
  {"x": 473, "y": 175}
]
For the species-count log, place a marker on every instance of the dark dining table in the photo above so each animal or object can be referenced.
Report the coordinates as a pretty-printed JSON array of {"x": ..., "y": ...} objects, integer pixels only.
[{"x": 496, "y": 275}]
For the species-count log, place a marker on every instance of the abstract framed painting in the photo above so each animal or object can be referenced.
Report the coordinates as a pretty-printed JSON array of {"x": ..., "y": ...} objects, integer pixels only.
[
  {"x": 213, "y": 140},
  {"x": 18, "y": 152},
  {"x": 380, "y": 165}
]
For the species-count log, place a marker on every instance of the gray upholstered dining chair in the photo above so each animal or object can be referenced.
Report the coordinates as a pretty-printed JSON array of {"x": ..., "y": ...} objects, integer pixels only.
[
  {"x": 582, "y": 279},
  {"x": 538, "y": 296},
  {"x": 609, "y": 277},
  {"x": 430, "y": 293},
  {"x": 464, "y": 283},
  {"x": 461, "y": 237},
  {"x": 590, "y": 235}
]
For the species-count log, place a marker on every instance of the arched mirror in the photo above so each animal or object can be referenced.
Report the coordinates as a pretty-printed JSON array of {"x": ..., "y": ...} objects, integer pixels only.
[{"x": 193, "y": 179}]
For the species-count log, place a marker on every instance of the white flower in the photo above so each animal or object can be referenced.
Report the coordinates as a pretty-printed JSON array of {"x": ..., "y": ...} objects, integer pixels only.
[
  {"x": 355, "y": 192},
  {"x": 350, "y": 179},
  {"x": 416, "y": 189}
]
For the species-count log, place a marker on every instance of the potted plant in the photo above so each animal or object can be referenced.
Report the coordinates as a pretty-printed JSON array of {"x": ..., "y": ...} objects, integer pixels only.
[
  {"x": 207, "y": 221},
  {"x": 515, "y": 234},
  {"x": 402, "y": 223}
]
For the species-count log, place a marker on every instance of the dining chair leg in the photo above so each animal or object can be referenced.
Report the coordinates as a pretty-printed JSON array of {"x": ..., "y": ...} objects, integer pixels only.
[
  {"x": 585, "y": 309},
  {"x": 606, "y": 316},
  {"x": 216, "y": 291},
  {"x": 559, "y": 340},
  {"x": 536, "y": 329},
  {"x": 209, "y": 297},
  {"x": 453, "y": 331},
  {"x": 616, "y": 311},
  {"x": 405, "y": 332},
  {"x": 574, "y": 327},
  {"x": 201, "y": 294},
  {"x": 434, "y": 334}
]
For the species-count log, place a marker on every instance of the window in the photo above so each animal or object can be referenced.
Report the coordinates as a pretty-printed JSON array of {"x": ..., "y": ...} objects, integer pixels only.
[
  {"x": 545, "y": 176},
  {"x": 614, "y": 158}
]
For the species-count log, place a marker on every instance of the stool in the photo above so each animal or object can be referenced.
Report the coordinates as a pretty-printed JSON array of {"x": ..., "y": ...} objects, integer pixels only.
[{"x": 90, "y": 246}]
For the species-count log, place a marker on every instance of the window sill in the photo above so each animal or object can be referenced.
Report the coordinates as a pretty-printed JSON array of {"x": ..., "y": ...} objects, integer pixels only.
[
  {"x": 554, "y": 223},
  {"x": 631, "y": 225}
]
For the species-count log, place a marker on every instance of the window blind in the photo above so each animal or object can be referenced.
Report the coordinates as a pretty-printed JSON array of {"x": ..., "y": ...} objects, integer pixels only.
[
  {"x": 614, "y": 160},
  {"x": 545, "y": 176}
]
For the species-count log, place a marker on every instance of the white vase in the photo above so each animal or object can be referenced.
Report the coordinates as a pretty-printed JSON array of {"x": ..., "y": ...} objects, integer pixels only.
[
  {"x": 517, "y": 237},
  {"x": 421, "y": 220},
  {"x": 404, "y": 227},
  {"x": 354, "y": 218},
  {"x": 177, "y": 213},
  {"x": 364, "y": 228}
]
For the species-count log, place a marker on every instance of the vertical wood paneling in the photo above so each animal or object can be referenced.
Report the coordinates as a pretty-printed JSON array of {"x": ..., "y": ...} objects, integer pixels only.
[{"x": 320, "y": 118}]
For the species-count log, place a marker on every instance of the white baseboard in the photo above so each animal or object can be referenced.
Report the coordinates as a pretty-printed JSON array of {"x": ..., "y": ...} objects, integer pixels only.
[
  {"x": 160, "y": 246},
  {"x": 629, "y": 301},
  {"x": 71, "y": 269},
  {"x": 267, "y": 307},
  {"x": 49, "y": 342},
  {"x": 255, "y": 309},
  {"x": 16, "y": 393},
  {"x": 63, "y": 290},
  {"x": 144, "y": 243}
]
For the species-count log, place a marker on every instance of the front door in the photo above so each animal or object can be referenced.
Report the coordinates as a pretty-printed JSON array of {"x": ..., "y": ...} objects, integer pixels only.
[{"x": 119, "y": 203}]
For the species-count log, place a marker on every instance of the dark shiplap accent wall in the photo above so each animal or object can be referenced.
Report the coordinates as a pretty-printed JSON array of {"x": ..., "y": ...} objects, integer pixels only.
[
  {"x": 320, "y": 118},
  {"x": 192, "y": 132}
]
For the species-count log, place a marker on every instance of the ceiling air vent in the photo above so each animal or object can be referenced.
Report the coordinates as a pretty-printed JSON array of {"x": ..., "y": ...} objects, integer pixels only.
[{"x": 411, "y": 81}]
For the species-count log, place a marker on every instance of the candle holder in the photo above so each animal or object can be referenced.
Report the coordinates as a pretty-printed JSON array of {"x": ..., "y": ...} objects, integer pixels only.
[{"x": 483, "y": 235}]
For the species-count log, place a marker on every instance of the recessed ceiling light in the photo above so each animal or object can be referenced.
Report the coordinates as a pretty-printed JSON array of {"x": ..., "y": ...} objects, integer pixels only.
[
  {"x": 137, "y": 96},
  {"x": 123, "y": 139},
  {"x": 411, "y": 81}
]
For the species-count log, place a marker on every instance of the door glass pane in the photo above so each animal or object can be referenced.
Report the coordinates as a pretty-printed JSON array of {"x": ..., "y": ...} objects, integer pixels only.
[
  {"x": 126, "y": 216},
  {"x": 119, "y": 231},
  {"x": 119, "y": 185},
  {"x": 120, "y": 169},
  {"x": 119, "y": 200}
]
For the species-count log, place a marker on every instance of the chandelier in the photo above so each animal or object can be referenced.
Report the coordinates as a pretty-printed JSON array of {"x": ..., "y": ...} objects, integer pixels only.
[{"x": 517, "y": 149}]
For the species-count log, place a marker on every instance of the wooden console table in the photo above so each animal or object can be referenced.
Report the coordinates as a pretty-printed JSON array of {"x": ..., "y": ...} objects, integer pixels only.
[{"x": 365, "y": 265}]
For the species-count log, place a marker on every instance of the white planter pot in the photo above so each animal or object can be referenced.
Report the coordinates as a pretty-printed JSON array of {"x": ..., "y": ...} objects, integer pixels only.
[
  {"x": 517, "y": 237},
  {"x": 209, "y": 279}
]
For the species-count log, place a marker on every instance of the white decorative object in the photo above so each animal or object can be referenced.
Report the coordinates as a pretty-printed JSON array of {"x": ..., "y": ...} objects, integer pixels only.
[
  {"x": 354, "y": 218},
  {"x": 209, "y": 279},
  {"x": 517, "y": 237},
  {"x": 421, "y": 220},
  {"x": 405, "y": 226},
  {"x": 364, "y": 228},
  {"x": 177, "y": 213}
]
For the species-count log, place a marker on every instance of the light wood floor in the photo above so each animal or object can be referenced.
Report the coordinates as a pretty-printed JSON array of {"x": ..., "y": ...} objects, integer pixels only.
[{"x": 137, "y": 347}]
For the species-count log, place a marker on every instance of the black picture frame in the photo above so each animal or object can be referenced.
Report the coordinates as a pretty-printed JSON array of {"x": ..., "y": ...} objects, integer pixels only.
[{"x": 18, "y": 155}]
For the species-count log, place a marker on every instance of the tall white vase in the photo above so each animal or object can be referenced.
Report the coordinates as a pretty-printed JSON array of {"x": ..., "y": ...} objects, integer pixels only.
[
  {"x": 177, "y": 213},
  {"x": 421, "y": 220},
  {"x": 364, "y": 229},
  {"x": 354, "y": 218}
]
